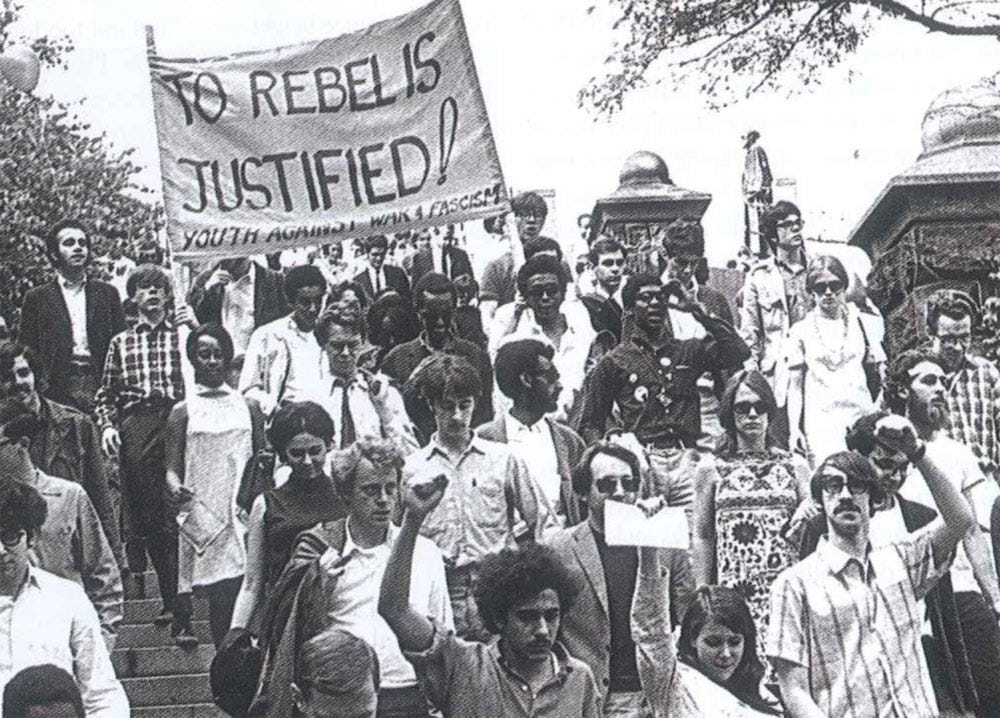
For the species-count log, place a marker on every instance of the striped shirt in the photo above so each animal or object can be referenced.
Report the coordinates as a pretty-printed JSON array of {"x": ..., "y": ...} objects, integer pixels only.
[
  {"x": 856, "y": 629},
  {"x": 143, "y": 364}
]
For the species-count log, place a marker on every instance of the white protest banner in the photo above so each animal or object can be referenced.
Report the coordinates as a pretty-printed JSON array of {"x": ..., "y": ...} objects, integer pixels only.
[
  {"x": 627, "y": 525},
  {"x": 372, "y": 132}
]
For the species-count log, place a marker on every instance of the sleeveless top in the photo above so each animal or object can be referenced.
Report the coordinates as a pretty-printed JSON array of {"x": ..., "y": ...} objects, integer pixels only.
[{"x": 292, "y": 508}]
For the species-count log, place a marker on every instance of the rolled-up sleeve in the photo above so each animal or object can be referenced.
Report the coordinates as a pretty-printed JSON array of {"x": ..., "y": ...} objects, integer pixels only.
[{"x": 103, "y": 696}]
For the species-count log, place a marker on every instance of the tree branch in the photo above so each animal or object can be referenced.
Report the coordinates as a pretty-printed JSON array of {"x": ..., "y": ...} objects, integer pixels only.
[
  {"x": 893, "y": 7},
  {"x": 823, "y": 7}
]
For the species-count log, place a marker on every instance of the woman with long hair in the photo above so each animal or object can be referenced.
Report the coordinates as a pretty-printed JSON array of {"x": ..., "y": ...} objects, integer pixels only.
[
  {"x": 834, "y": 360},
  {"x": 719, "y": 670},
  {"x": 746, "y": 497}
]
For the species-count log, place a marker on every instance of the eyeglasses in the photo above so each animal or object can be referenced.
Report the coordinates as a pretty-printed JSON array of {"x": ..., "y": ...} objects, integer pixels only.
[
  {"x": 833, "y": 485},
  {"x": 888, "y": 463},
  {"x": 789, "y": 224},
  {"x": 744, "y": 407},
  {"x": 686, "y": 262},
  {"x": 609, "y": 484},
  {"x": 823, "y": 287},
  {"x": 341, "y": 347},
  {"x": 540, "y": 291},
  {"x": 12, "y": 538},
  {"x": 954, "y": 338}
]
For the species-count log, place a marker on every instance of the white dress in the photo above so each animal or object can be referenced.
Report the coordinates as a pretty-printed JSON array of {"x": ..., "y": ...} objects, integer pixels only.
[
  {"x": 218, "y": 446},
  {"x": 836, "y": 388}
]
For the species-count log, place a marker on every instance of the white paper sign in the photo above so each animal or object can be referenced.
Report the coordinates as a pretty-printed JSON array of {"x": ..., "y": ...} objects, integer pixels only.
[{"x": 626, "y": 525}]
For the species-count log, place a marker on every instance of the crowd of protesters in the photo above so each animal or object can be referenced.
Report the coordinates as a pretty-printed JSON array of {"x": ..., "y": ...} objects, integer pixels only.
[{"x": 388, "y": 478}]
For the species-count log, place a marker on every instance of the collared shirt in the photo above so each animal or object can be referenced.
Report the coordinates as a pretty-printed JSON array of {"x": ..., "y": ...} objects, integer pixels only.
[
  {"x": 377, "y": 278},
  {"x": 537, "y": 444},
  {"x": 284, "y": 363},
  {"x": 968, "y": 479},
  {"x": 353, "y": 606},
  {"x": 238, "y": 309},
  {"x": 71, "y": 544},
  {"x": 51, "y": 621},
  {"x": 376, "y": 409},
  {"x": 472, "y": 680},
  {"x": 656, "y": 390},
  {"x": 856, "y": 627},
  {"x": 570, "y": 356},
  {"x": 400, "y": 363},
  {"x": 75, "y": 296},
  {"x": 143, "y": 364},
  {"x": 974, "y": 410},
  {"x": 490, "y": 500}
]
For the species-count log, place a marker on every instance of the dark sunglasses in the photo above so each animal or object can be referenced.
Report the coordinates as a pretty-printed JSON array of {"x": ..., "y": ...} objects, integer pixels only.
[
  {"x": 539, "y": 291},
  {"x": 833, "y": 485},
  {"x": 608, "y": 485},
  {"x": 743, "y": 407},
  {"x": 822, "y": 287},
  {"x": 12, "y": 538}
]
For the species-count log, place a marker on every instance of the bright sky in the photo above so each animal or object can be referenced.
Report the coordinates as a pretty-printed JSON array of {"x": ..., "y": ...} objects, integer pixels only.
[{"x": 841, "y": 143}]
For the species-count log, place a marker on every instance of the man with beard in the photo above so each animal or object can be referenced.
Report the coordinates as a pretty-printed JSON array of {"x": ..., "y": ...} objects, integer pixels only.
[
  {"x": 607, "y": 258},
  {"x": 522, "y": 595},
  {"x": 69, "y": 321},
  {"x": 434, "y": 301},
  {"x": 918, "y": 390},
  {"x": 66, "y": 443},
  {"x": 774, "y": 298},
  {"x": 71, "y": 543},
  {"x": 973, "y": 382},
  {"x": 527, "y": 376},
  {"x": 844, "y": 633},
  {"x": 284, "y": 362},
  {"x": 143, "y": 379},
  {"x": 47, "y": 619},
  {"x": 491, "y": 500},
  {"x": 542, "y": 314}
]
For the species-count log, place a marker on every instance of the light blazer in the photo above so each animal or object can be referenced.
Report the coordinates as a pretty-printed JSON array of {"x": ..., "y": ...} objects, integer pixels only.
[
  {"x": 586, "y": 626},
  {"x": 569, "y": 447}
]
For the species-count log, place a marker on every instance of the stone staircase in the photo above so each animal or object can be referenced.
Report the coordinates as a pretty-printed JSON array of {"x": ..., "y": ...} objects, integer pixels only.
[{"x": 161, "y": 679}]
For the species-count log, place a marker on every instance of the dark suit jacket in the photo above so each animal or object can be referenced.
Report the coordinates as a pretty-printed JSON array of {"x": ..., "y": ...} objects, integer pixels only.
[
  {"x": 268, "y": 297},
  {"x": 45, "y": 327},
  {"x": 605, "y": 316},
  {"x": 395, "y": 278},
  {"x": 941, "y": 608},
  {"x": 68, "y": 446},
  {"x": 569, "y": 447},
  {"x": 458, "y": 264},
  {"x": 586, "y": 628}
]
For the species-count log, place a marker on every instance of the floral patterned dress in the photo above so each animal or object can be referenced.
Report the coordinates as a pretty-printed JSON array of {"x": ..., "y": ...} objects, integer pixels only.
[{"x": 755, "y": 496}]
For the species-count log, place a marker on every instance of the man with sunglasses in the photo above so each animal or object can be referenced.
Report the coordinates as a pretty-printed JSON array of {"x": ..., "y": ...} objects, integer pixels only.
[
  {"x": 284, "y": 362},
  {"x": 360, "y": 403},
  {"x": 543, "y": 315},
  {"x": 69, "y": 322},
  {"x": 774, "y": 297},
  {"x": 596, "y": 627},
  {"x": 45, "y": 619},
  {"x": 918, "y": 390},
  {"x": 845, "y": 622}
]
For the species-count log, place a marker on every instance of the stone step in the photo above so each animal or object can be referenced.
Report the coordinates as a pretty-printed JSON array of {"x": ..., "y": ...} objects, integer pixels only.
[
  {"x": 162, "y": 661},
  {"x": 194, "y": 710},
  {"x": 168, "y": 690},
  {"x": 150, "y": 636},
  {"x": 138, "y": 611}
]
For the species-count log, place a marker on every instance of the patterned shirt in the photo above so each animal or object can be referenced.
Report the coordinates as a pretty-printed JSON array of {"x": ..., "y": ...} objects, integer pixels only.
[
  {"x": 656, "y": 390},
  {"x": 856, "y": 628},
  {"x": 51, "y": 621},
  {"x": 143, "y": 364},
  {"x": 974, "y": 411},
  {"x": 491, "y": 499},
  {"x": 284, "y": 363}
]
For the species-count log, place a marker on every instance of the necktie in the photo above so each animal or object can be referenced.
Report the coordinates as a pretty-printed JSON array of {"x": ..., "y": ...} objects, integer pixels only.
[{"x": 347, "y": 434}]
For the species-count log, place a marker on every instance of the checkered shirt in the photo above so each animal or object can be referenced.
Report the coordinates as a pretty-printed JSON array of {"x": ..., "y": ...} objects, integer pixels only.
[
  {"x": 856, "y": 629},
  {"x": 143, "y": 364},
  {"x": 974, "y": 408}
]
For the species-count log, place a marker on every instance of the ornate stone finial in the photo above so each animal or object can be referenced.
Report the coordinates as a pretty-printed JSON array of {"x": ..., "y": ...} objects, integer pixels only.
[
  {"x": 968, "y": 114},
  {"x": 644, "y": 168}
]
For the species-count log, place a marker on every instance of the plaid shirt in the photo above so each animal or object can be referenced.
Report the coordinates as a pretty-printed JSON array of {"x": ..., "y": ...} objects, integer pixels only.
[
  {"x": 856, "y": 629},
  {"x": 143, "y": 364},
  {"x": 973, "y": 409}
]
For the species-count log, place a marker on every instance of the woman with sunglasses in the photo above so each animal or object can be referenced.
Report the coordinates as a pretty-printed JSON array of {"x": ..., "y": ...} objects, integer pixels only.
[
  {"x": 834, "y": 358},
  {"x": 745, "y": 498}
]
